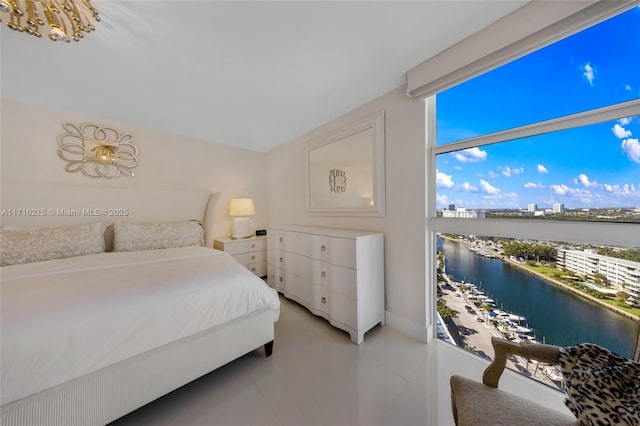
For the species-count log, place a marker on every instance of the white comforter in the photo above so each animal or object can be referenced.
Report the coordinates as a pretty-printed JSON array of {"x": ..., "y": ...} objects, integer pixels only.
[{"x": 64, "y": 318}]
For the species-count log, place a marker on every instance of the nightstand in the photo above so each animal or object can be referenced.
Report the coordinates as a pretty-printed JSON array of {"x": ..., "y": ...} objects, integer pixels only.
[{"x": 250, "y": 252}]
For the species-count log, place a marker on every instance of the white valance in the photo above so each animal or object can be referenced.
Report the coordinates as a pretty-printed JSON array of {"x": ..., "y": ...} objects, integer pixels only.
[{"x": 529, "y": 28}]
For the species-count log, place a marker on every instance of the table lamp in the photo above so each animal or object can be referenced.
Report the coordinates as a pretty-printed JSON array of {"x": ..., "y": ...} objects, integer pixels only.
[{"x": 240, "y": 210}]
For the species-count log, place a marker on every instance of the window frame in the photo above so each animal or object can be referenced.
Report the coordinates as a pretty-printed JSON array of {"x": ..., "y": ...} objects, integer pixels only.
[
  {"x": 619, "y": 234},
  {"x": 605, "y": 233}
]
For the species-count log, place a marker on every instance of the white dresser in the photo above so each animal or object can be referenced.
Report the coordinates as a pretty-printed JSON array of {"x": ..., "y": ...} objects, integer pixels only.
[
  {"x": 251, "y": 252},
  {"x": 337, "y": 274}
]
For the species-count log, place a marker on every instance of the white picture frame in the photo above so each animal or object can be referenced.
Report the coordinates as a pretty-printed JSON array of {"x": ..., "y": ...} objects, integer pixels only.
[{"x": 345, "y": 170}]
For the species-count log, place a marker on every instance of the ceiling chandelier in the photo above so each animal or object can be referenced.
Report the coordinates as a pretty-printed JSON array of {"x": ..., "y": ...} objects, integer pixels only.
[{"x": 66, "y": 19}]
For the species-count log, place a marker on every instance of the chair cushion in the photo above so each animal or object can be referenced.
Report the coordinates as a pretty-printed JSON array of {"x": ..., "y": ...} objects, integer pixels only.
[
  {"x": 602, "y": 387},
  {"x": 475, "y": 404}
]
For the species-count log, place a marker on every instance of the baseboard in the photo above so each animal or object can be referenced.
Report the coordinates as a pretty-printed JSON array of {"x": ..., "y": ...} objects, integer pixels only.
[{"x": 406, "y": 326}]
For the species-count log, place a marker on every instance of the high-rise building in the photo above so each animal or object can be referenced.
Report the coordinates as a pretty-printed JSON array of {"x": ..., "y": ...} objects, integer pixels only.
[
  {"x": 462, "y": 213},
  {"x": 558, "y": 208},
  {"x": 532, "y": 207}
]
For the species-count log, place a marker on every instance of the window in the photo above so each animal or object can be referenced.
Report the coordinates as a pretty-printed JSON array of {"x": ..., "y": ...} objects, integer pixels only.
[
  {"x": 591, "y": 69},
  {"x": 550, "y": 136}
]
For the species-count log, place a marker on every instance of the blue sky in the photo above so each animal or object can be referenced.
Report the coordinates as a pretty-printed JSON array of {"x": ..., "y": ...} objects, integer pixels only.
[{"x": 592, "y": 166}]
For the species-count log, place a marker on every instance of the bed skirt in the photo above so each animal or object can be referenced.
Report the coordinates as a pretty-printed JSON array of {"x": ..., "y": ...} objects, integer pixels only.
[{"x": 110, "y": 393}]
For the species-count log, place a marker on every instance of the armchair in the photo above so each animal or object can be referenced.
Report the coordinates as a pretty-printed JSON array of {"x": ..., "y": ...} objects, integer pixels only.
[
  {"x": 479, "y": 404},
  {"x": 601, "y": 387}
]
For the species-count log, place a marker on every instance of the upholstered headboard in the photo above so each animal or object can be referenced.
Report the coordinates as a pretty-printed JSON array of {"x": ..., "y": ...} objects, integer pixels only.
[{"x": 36, "y": 204}]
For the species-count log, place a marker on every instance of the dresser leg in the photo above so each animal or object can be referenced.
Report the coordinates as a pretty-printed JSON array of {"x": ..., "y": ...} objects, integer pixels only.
[
  {"x": 268, "y": 348},
  {"x": 357, "y": 337}
]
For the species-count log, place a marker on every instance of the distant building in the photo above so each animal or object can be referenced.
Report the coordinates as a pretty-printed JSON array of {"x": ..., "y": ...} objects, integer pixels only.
[
  {"x": 452, "y": 207},
  {"x": 623, "y": 275},
  {"x": 532, "y": 207},
  {"x": 462, "y": 213},
  {"x": 558, "y": 208}
]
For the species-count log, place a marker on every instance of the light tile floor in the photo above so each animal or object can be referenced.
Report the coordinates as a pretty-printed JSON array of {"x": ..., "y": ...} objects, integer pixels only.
[{"x": 315, "y": 376}]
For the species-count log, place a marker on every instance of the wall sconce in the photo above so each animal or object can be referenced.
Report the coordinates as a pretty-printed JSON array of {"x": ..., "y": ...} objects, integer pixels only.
[
  {"x": 97, "y": 151},
  {"x": 240, "y": 210}
]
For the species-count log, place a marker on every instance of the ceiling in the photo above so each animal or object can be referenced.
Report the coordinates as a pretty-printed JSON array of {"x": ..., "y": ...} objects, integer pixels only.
[{"x": 248, "y": 74}]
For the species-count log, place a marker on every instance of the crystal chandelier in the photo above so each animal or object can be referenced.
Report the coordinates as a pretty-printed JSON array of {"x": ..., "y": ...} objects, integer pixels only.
[{"x": 66, "y": 19}]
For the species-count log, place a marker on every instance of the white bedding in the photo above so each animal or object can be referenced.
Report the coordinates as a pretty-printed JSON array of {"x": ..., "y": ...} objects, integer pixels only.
[{"x": 64, "y": 318}]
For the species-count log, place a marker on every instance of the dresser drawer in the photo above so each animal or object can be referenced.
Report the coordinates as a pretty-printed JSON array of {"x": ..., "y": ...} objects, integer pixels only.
[
  {"x": 276, "y": 278},
  {"x": 311, "y": 246},
  {"x": 260, "y": 268},
  {"x": 252, "y": 257},
  {"x": 241, "y": 246},
  {"x": 298, "y": 288},
  {"x": 343, "y": 252},
  {"x": 344, "y": 310},
  {"x": 344, "y": 281},
  {"x": 246, "y": 246}
]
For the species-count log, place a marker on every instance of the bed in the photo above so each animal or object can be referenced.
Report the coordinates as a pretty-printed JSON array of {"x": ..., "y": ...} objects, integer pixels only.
[{"x": 90, "y": 337}]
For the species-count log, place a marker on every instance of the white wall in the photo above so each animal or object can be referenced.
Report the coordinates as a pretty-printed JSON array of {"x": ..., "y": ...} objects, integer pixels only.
[
  {"x": 404, "y": 223},
  {"x": 166, "y": 161}
]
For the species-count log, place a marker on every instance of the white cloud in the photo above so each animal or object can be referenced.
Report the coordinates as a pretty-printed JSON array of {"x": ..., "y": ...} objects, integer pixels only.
[
  {"x": 620, "y": 131},
  {"x": 629, "y": 189},
  {"x": 542, "y": 169},
  {"x": 493, "y": 175},
  {"x": 560, "y": 189},
  {"x": 632, "y": 148},
  {"x": 588, "y": 73},
  {"x": 471, "y": 155},
  {"x": 627, "y": 87},
  {"x": 584, "y": 180},
  {"x": 625, "y": 190},
  {"x": 468, "y": 187},
  {"x": 506, "y": 171},
  {"x": 457, "y": 168},
  {"x": 488, "y": 188},
  {"x": 625, "y": 121},
  {"x": 533, "y": 185},
  {"x": 443, "y": 180},
  {"x": 508, "y": 196},
  {"x": 583, "y": 195},
  {"x": 518, "y": 170},
  {"x": 442, "y": 199}
]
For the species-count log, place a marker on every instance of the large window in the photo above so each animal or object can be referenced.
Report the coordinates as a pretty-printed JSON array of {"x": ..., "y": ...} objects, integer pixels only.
[{"x": 553, "y": 136}]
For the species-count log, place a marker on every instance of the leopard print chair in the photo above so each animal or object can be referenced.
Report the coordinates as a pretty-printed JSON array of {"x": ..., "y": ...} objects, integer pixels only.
[{"x": 601, "y": 387}]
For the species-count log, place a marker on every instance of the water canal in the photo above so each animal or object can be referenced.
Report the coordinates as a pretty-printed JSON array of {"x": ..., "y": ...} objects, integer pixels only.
[{"x": 558, "y": 317}]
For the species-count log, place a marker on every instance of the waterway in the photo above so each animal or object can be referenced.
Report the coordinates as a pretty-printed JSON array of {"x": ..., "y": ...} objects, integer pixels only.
[{"x": 558, "y": 317}]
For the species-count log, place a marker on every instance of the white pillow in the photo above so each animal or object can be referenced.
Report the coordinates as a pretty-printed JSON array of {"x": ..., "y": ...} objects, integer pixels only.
[
  {"x": 135, "y": 236},
  {"x": 55, "y": 242}
]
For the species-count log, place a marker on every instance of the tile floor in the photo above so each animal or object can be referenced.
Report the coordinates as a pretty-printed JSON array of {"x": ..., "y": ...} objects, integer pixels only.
[{"x": 315, "y": 376}]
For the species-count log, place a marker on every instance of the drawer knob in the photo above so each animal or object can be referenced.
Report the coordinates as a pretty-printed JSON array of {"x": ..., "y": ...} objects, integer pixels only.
[
  {"x": 281, "y": 279},
  {"x": 324, "y": 300},
  {"x": 323, "y": 274},
  {"x": 280, "y": 259},
  {"x": 253, "y": 269},
  {"x": 322, "y": 248},
  {"x": 253, "y": 246},
  {"x": 280, "y": 239},
  {"x": 253, "y": 258}
]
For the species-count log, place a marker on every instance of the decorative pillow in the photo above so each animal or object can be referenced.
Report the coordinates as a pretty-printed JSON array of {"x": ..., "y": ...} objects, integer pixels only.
[
  {"x": 55, "y": 242},
  {"x": 135, "y": 236},
  {"x": 602, "y": 387}
]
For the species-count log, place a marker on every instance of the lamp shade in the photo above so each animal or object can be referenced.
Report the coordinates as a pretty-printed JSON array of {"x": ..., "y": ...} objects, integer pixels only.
[{"x": 241, "y": 207}]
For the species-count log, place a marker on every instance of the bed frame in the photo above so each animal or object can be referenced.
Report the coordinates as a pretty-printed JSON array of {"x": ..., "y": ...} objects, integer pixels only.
[{"x": 110, "y": 393}]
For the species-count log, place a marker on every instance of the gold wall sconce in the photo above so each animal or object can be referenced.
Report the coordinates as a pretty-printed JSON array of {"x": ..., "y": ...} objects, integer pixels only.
[{"x": 97, "y": 151}]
